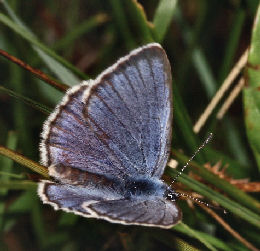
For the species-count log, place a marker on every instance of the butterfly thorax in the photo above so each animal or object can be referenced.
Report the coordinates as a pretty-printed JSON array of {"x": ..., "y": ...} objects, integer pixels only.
[{"x": 144, "y": 187}]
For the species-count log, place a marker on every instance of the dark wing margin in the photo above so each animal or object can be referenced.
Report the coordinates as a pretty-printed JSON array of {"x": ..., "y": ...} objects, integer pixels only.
[{"x": 119, "y": 123}]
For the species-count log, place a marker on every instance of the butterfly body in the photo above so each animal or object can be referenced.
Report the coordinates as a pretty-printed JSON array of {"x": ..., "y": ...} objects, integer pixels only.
[
  {"x": 127, "y": 188},
  {"x": 107, "y": 143},
  {"x": 145, "y": 187}
]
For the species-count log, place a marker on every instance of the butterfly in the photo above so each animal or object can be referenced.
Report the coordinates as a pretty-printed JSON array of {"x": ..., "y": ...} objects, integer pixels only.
[{"x": 107, "y": 143}]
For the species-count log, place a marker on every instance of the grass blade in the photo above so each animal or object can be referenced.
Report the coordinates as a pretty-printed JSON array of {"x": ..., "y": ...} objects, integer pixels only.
[
  {"x": 183, "y": 228},
  {"x": 55, "y": 62},
  {"x": 163, "y": 17},
  {"x": 24, "y": 161},
  {"x": 209, "y": 239},
  {"x": 40, "y": 107},
  {"x": 139, "y": 18},
  {"x": 251, "y": 93},
  {"x": 82, "y": 29},
  {"x": 122, "y": 23}
]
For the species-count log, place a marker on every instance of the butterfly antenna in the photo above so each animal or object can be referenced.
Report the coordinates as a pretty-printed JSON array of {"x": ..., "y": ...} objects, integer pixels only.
[
  {"x": 192, "y": 157},
  {"x": 201, "y": 202}
]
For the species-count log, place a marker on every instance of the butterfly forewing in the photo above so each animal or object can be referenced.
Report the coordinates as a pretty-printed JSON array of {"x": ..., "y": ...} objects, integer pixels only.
[{"x": 119, "y": 124}]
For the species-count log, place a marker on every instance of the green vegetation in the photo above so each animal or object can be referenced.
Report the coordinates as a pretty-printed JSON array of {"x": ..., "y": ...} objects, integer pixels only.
[{"x": 75, "y": 40}]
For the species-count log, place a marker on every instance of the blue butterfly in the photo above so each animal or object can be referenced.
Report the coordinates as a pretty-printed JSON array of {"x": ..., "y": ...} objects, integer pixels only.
[{"x": 107, "y": 143}]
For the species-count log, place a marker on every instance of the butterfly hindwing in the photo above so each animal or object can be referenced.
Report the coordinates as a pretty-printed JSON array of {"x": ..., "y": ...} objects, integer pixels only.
[
  {"x": 149, "y": 212},
  {"x": 71, "y": 198},
  {"x": 107, "y": 204}
]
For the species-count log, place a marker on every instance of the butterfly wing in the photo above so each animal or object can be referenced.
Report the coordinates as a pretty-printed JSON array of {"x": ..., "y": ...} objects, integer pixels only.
[
  {"x": 119, "y": 123},
  {"x": 157, "y": 212},
  {"x": 71, "y": 198},
  {"x": 107, "y": 204}
]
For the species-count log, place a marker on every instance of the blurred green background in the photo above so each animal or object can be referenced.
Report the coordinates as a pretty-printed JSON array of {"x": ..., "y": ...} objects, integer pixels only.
[{"x": 75, "y": 40}]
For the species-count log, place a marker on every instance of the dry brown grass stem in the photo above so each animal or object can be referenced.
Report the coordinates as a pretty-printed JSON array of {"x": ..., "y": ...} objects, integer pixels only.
[{"x": 219, "y": 94}]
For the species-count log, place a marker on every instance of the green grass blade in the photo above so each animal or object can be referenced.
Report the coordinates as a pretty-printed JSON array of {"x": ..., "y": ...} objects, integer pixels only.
[
  {"x": 173, "y": 242},
  {"x": 251, "y": 94},
  {"x": 40, "y": 107},
  {"x": 139, "y": 18},
  {"x": 82, "y": 29},
  {"x": 122, "y": 23},
  {"x": 18, "y": 185},
  {"x": 55, "y": 62},
  {"x": 24, "y": 161},
  {"x": 234, "y": 36},
  {"x": 37, "y": 221},
  {"x": 5, "y": 163},
  {"x": 236, "y": 144},
  {"x": 24, "y": 202},
  {"x": 63, "y": 73},
  {"x": 184, "y": 123},
  {"x": 183, "y": 228},
  {"x": 209, "y": 239},
  {"x": 204, "y": 71},
  {"x": 178, "y": 244},
  {"x": 13, "y": 175},
  {"x": 162, "y": 18},
  {"x": 6, "y": 167},
  {"x": 195, "y": 54}
]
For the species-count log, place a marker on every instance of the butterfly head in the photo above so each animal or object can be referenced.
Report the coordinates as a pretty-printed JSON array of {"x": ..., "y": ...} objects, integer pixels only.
[{"x": 171, "y": 195}]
